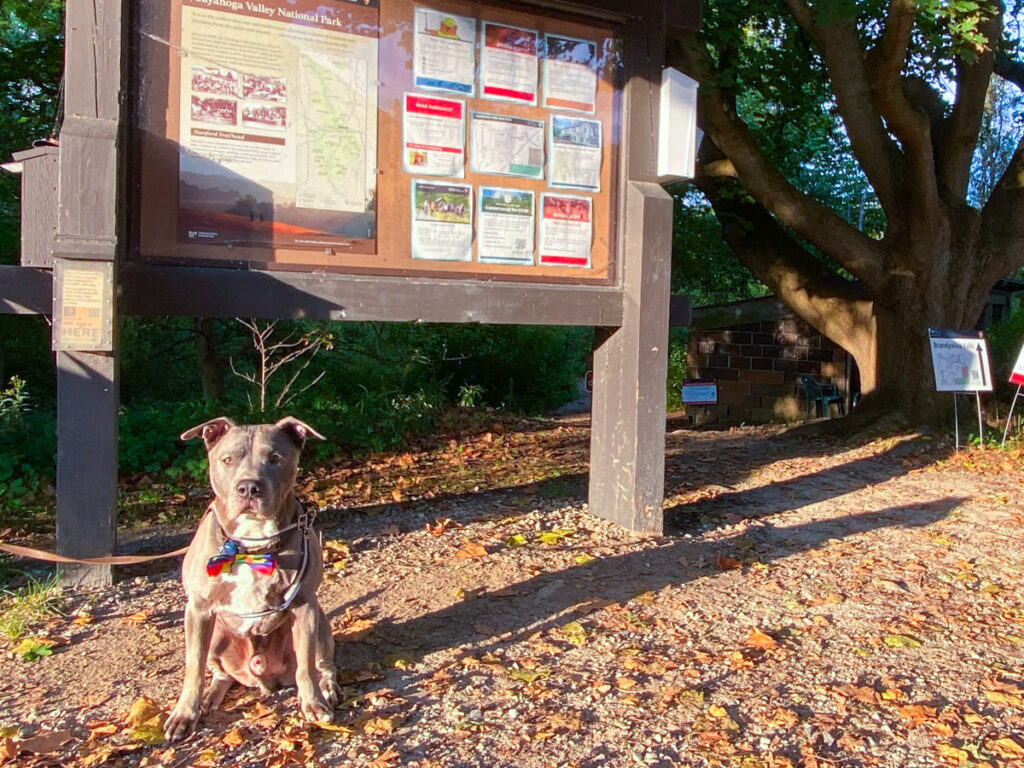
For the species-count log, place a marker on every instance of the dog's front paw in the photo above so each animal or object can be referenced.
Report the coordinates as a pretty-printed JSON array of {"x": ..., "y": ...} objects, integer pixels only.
[
  {"x": 329, "y": 689},
  {"x": 181, "y": 722},
  {"x": 316, "y": 710}
]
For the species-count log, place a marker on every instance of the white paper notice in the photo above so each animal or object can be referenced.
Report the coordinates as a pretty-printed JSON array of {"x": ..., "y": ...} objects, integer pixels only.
[
  {"x": 566, "y": 231},
  {"x": 511, "y": 146},
  {"x": 575, "y": 153},
  {"x": 434, "y": 136},
  {"x": 570, "y": 73},
  {"x": 505, "y": 226},
  {"x": 444, "y": 57},
  {"x": 442, "y": 221},
  {"x": 508, "y": 66}
]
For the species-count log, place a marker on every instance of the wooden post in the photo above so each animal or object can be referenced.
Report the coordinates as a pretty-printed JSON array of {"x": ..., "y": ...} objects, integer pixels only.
[
  {"x": 627, "y": 444},
  {"x": 627, "y": 449},
  {"x": 87, "y": 245}
]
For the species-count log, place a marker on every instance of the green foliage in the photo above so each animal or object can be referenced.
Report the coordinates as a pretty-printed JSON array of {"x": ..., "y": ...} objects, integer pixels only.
[
  {"x": 1004, "y": 342},
  {"x": 677, "y": 346},
  {"x": 31, "y": 59},
  {"x": 29, "y": 606}
]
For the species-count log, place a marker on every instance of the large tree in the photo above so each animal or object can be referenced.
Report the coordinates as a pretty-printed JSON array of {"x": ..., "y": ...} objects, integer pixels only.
[{"x": 890, "y": 96}]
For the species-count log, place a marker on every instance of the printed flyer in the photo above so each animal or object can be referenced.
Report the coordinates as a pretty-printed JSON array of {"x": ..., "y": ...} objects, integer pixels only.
[
  {"x": 278, "y": 122},
  {"x": 506, "y": 145},
  {"x": 575, "y": 153},
  {"x": 442, "y": 221},
  {"x": 444, "y": 52},
  {"x": 508, "y": 64},
  {"x": 566, "y": 230},
  {"x": 433, "y": 136},
  {"x": 505, "y": 226},
  {"x": 570, "y": 73}
]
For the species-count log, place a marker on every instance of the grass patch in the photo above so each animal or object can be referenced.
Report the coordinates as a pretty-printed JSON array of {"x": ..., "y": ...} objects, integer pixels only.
[{"x": 29, "y": 606}]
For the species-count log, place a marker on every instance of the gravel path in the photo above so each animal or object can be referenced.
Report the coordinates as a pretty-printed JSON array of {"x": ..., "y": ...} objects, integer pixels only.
[{"x": 817, "y": 604}]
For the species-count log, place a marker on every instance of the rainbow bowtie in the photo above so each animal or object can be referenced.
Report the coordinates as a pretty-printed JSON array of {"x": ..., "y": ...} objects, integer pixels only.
[{"x": 223, "y": 563}]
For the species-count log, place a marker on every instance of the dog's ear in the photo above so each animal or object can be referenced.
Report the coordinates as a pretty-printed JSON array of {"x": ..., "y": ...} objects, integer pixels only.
[
  {"x": 211, "y": 431},
  {"x": 299, "y": 431}
]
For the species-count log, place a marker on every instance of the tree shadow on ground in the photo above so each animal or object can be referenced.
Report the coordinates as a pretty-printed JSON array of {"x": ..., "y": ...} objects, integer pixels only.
[{"x": 550, "y": 600}]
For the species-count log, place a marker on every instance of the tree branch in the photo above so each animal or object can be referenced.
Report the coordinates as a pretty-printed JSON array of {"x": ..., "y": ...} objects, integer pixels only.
[
  {"x": 820, "y": 226},
  {"x": 1002, "y": 220},
  {"x": 874, "y": 149},
  {"x": 1010, "y": 69},
  {"x": 960, "y": 136},
  {"x": 910, "y": 126},
  {"x": 835, "y": 306}
]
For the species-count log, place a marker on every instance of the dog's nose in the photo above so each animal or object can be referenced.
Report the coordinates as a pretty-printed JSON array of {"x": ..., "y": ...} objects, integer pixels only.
[{"x": 248, "y": 489}]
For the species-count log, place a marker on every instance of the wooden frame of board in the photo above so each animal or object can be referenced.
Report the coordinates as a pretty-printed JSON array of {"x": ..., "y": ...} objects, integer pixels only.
[{"x": 164, "y": 65}]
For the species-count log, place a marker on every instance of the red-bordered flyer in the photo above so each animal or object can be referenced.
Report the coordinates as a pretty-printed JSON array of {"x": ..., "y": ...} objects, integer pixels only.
[
  {"x": 433, "y": 136},
  {"x": 566, "y": 230},
  {"x": 508, "y": 64}
]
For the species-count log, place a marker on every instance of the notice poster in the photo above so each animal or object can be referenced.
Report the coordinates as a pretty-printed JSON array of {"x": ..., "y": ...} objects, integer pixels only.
[
  {"x": 278, "y": 122},
  {"x": 508, "y": 64},
  {"x": 570, "y": 73},
  {"x": 444, "y": 52},
  {"x": 566, "y": 230},
  {"x": 1017, "y": 374},
  {"x": 434, "y": 136},
  {"x": 442, "y": 221},
  {"x": 575, "y": 153},
  {"x": 505, "y": 226},
  {"x": 960, "y": 361},
  {"x": 506, "y": 145}
]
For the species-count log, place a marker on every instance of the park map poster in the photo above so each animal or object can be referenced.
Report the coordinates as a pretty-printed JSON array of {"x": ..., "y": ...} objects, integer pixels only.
[{"x": 278, "y": 127}]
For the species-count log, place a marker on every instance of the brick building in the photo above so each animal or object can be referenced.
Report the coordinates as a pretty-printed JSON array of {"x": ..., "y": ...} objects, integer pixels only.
[{"x": 754, "y": 350}]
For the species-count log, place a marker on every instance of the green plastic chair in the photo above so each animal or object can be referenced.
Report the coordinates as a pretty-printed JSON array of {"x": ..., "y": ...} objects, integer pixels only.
[{"x": 819, "y": 395}]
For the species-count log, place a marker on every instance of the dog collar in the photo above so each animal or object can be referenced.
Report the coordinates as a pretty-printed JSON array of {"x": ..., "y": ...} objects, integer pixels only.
[{"x": 303, "y": 523}]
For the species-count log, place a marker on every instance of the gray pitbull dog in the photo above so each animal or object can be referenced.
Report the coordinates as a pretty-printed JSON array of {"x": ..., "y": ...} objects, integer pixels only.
[{"x": 251, "y": 574}]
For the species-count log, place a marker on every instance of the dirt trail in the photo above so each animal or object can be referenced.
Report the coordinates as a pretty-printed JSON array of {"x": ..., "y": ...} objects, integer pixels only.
[{"x": 817, "y": 604}]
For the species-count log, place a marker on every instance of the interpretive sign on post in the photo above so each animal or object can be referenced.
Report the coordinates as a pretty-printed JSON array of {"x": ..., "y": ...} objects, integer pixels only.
[{"x": 960, "y": 361}]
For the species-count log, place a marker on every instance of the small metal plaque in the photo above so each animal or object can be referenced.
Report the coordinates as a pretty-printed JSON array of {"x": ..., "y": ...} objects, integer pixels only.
[{"x": 83, "y": 305}]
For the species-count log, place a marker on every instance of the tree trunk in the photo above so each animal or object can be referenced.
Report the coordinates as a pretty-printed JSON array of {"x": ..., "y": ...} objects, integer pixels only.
[{"x": 211, "y": 367}]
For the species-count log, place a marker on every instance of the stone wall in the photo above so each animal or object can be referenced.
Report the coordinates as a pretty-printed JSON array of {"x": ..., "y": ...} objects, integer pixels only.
[{"x": 756, "y": 366}]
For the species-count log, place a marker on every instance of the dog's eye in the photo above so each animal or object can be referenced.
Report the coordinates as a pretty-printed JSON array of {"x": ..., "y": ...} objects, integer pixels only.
[
  {"x": 228, "y": 460},
  {"x": 275, "y": 458}
]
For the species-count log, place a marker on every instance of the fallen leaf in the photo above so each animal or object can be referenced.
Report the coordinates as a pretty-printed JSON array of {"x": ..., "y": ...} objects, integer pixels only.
[
  {"x": 137, "y": 618},
  {"x": 726, "y": 563},
  {"x": 143, "y": 710},
  {"x": 574, "y": 632},
  {"x": 386, "y": 759},
  {"x": 100, "y": 728},
  {"x": 901, "y": 641},
  {"x": 440, "y": 526},
  {"x": 470, "y": 550},
  {"x": 1007, "y": 747},
  {"x": 760, "y": 640},
  {"x": 45, "y": 743},
  {"x": 952, "y": 754},
  {"x": 516, "y": 540},
  {"x": 232, "y": 738},
  {"x": 530, "y": 675},
  {"x": 716, "y": 711},
  {"x": 584, "y": 559}
]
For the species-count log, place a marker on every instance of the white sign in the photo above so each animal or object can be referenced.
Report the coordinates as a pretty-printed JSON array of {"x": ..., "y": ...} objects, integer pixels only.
[
  {"x": 442, "y": 221},
  {"x": 1017, "y": 375},
  {"x": 508, "y": 64},
  {"x": 960, "y": 361}
]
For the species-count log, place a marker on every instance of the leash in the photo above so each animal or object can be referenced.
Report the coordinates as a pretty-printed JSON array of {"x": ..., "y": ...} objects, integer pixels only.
[
  {"x": 51, "y": 557},
  {"x": 303, "y": 522}
]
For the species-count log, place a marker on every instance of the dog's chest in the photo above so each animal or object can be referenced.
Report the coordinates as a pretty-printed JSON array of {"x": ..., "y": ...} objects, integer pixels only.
[{"x": 241, "y": 594}]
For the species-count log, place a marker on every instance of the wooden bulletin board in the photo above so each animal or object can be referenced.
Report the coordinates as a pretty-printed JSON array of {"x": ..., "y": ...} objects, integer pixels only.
[{"x": 189, "y": 104}]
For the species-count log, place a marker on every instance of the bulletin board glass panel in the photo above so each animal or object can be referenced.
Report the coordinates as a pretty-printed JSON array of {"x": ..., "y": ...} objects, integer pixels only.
[{"x": 453, "y": 139}]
